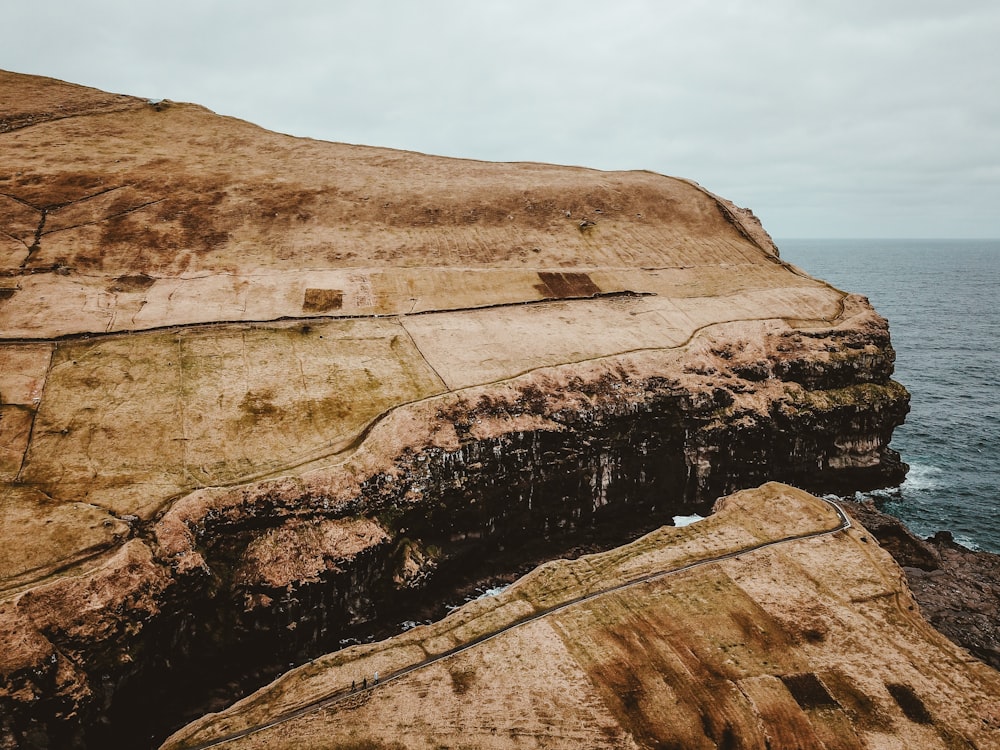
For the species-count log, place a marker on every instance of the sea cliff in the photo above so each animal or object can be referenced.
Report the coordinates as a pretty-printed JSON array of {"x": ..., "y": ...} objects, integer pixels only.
[{"x": 261, "y": 394}]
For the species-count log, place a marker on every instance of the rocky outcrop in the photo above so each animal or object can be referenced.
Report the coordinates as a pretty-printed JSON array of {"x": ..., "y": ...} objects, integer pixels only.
[
  {"x": 260, "y": 395},
  {"x": 961, "y": 598}
]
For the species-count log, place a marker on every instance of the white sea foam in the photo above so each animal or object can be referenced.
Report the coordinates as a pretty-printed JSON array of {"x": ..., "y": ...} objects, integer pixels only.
[
  {"x": 480, "y": 594},
  {"x": 923, "y": 477},
  {"x": 493, "y": 591},
  {"x": 966, "y": 541},
  {"x": 687, "y": 520},
  {"x": 889, "y": 493}
]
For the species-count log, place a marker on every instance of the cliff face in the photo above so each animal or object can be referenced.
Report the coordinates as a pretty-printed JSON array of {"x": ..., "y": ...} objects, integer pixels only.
[{"x": 259, "y": 394}]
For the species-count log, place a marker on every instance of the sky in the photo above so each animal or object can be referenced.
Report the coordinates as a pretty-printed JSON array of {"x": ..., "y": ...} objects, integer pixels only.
[{"x": 827, "y": 118}]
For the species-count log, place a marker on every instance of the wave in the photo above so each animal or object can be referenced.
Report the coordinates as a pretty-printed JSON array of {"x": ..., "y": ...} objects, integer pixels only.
[
  {"x": 922, "y": 478},
  {"x": 967, "y": 541}
]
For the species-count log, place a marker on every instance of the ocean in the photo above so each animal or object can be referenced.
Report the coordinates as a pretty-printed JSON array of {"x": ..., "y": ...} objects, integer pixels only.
[{"x": 942, "y": 300}]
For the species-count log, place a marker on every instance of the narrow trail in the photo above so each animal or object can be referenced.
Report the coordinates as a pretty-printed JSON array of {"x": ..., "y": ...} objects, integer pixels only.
[
  {"x": 308, "y": 319},
  {"x": 332, "y": 700}
]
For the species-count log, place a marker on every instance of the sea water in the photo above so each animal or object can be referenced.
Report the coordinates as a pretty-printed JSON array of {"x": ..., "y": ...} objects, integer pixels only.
[{"x": 942, "y": 300}]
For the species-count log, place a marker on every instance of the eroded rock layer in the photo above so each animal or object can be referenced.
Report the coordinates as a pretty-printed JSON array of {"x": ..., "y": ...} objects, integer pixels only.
[{"x": 258, "y": 393}]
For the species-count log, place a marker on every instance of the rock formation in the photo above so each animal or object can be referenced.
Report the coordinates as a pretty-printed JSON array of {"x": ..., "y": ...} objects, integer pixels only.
[{"x": 260, "y": 393}]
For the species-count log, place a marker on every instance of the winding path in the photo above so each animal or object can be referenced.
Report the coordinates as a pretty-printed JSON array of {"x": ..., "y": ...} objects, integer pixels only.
[{"x": 342, "y": 695}]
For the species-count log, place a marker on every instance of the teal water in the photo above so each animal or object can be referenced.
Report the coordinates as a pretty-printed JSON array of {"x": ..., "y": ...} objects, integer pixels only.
[{"x": 942, "y": 300}]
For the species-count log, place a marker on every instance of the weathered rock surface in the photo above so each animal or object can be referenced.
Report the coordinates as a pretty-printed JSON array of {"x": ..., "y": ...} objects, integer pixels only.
[
  {"x": 800, "y": 640},
  {"x": 257, "y": 392}
]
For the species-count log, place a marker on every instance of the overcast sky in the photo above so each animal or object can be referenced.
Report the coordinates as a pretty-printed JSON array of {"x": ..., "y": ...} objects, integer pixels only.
[{"x": 829, "y": 118}]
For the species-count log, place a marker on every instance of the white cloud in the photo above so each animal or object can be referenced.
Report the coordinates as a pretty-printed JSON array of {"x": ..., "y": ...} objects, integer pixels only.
[{"x": 828, "y": 119}]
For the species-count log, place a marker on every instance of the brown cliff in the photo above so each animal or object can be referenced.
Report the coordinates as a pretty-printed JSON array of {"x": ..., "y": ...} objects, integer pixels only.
[{"x": 258, "y": 393}]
